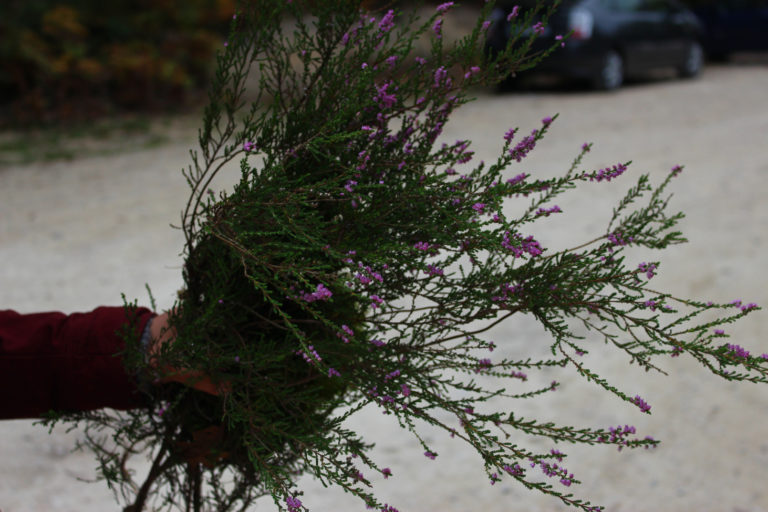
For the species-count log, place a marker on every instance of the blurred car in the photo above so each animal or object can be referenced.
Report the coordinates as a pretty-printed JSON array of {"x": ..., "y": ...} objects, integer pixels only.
[
  {"x": 609, "y": 39},
  {"x": 732, "y": 26}
]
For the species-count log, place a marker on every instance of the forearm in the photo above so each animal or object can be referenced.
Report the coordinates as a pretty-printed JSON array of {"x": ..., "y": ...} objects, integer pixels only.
[{"x": 53, "y": 361}]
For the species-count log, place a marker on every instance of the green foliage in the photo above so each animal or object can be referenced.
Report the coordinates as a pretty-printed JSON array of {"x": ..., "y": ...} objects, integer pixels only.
[
  {"x": 358, "y": 262},
  {"x": 76, "y": 59}
]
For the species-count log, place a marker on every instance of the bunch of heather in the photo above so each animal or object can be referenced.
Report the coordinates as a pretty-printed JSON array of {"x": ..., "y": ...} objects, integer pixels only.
[{"x": 361, "y": 260}]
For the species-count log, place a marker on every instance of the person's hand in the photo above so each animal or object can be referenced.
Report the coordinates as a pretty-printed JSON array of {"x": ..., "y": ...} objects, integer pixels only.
[{"x": 161, "y": 333}]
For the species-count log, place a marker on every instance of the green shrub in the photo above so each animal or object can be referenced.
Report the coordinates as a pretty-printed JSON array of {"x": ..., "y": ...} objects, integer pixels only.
[{"x": 74, "y": 59}]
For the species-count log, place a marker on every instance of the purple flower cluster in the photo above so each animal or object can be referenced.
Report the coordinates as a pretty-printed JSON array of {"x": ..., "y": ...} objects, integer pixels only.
[
  {"x": 618, "y": 239},
  {"x": 391, "y": 375},
  {"x": 433, "y": 271},
  {"x": 619, "y": 435},
  {"x": 554, "y": 470},
  {"x": 546, "y": 212},
  {"x": 738, "y": 351},
  {"x": 527, "y": 245},
  {"x": 538, "y": 28},
  {"x": 676, "y": 170},
  {"x": 524, "y": 147},
  {"x": 437, "y": 28},
  {"x": 315, "y": 357},
  {"x": 507, "y": 289},
  {"x": 641, "y": 404},
  {"x": 513, "y": 13},
  {"x": 321, "y": 293},
  {"x": 387, "y": 22},
  {"x": 648, "y": 268},
  {"x": 248, "y": 146},
  {"x": 517, "y": 179},
  {"x": 514, "y": 470},
  {"x": 442, "y": 8},
  {"x": 430, "y": 455},
  {"x": 345, "y": 334},
  {"x": 293, "y": 504},
  {"x": 608, "y": 174},
  {"x": 383, "y": 99},
  {"x": 483, "y": 365}
]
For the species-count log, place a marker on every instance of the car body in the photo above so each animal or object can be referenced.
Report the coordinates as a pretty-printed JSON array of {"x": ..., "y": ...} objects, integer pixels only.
[
  {"x": 733, "y": 26},
  {"x": 609, "y": 39}
]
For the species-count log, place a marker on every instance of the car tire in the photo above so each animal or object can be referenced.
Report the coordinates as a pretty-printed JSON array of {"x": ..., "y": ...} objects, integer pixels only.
[
  {"x": 694, "y": 61},
  {"x": 611, "y": 74}
]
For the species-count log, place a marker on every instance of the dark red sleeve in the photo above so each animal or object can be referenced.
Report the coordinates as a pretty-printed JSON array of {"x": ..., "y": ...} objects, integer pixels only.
[{"x": 53, "y": 361}]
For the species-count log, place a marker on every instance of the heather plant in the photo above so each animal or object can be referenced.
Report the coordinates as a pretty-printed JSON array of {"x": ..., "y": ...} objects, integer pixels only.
[{"x": 362, "y": 261}]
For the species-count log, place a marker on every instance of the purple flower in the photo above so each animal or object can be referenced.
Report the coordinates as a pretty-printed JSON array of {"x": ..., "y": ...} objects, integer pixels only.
[
  {"x": 517, "y": 179},
  {"x": 546, "y": 121},
  {"x": 405, "y": 390},
  {"x": 608, "y": 174},
  {"x": 376, "y": 301},
  {"x": 420, "y": 60},
  {"x": 749, "y": 306},
  {"x": 676, "y": 170},
  {"x": 382, "y": 98},
  {"x": 391, "y": 60},
  {"x": 386, "y": 472},
  {"x": 391, "y": 375},
  {"x": 538, "y": 28},
  {"x": 332, "y": 372},
  {"x": 248, "y": 146},
  {"x": 440, "y": 75},
  {"x": 437, "y": 28},
  {"x": 433, "y": 271},
  {"x": 560, "y": 38},
  {"x": 478, "y": 207},
  {"x": 430, "y": 455},
  {"x": 510, "y": 134},
  {"x": 387, "y": 22},
  {"x": 293, "y": 504},
  {"x": 444, "y": 7},
  {"x": 486, "y": 24},
  {"x": 513, "y": 13},
  {"x": 719, "y": 332},
  {"x": 483, "y": 365},
  {"x": 640, "y": 403},
  {"x": 738, "y": 351},
  {"x": 524, "y": 147},
  {"x": 648, "y": 268},
  {"x": 548, "y": 211}
]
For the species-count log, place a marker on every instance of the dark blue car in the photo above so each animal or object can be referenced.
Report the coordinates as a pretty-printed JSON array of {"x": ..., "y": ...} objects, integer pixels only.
[
  {"x": 733, "y": 26},
  {"x": 610, "y": 39}
]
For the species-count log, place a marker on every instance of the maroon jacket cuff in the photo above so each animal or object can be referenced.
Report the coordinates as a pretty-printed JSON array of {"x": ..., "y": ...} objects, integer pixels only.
[{"x": 52, "y": 361}]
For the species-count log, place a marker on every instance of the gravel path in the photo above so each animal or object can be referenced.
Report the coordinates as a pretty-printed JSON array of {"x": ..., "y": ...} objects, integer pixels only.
[{"x": 75, "y": 235}]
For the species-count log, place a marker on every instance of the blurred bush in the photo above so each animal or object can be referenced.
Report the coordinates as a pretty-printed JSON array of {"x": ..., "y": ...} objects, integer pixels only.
[{"x": 73, "y": 60}]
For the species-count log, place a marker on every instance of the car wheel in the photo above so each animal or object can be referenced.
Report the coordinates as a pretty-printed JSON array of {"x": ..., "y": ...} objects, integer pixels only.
[
  {"x": 611, "y": 74},
  {"x": 694, "y": 60}
]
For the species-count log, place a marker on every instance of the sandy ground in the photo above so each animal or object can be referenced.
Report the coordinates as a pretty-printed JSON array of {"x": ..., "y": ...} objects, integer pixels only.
[{"x": 76, "y": 235}]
